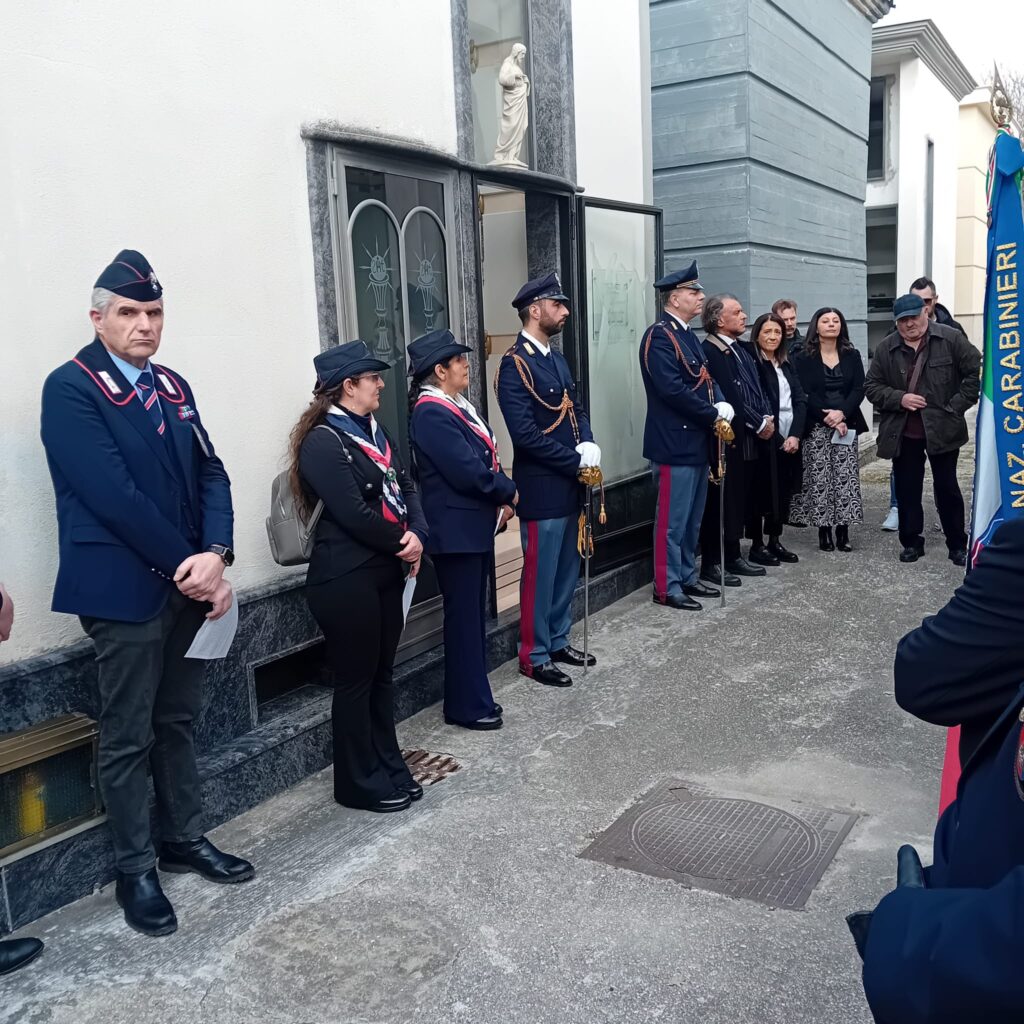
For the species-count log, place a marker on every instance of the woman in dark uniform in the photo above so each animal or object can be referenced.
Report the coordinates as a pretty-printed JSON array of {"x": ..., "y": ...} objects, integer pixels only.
[
  {"x": 466, "y": 498},
  {"x": 779, "y": 472},
  {"x": 368, "y": 540}
]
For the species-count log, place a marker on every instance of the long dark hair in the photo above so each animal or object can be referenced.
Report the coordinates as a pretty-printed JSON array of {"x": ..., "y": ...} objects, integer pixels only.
[
  {"x": 812, "y": 343},
  {"x": 314, "y": 414},
  {"x": 417, "y": 384},
  {"x": 782, "y": 352}
]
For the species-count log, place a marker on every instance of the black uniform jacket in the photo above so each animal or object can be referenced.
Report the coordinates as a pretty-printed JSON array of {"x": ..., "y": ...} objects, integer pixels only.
[
  {"x": 811, "y": 371},
  {"x": 951, "y": 952},
  {"x": 352, "y": 529}
]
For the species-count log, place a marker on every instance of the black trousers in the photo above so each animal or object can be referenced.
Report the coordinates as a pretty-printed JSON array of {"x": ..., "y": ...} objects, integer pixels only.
[
  {"x": 360, "y": 615},
  {"x": 150, "y": 695},
  {"x": 735, "y": 510},
  {"x": 463, "y": 581},
  {"x": 908, "y": 475}
]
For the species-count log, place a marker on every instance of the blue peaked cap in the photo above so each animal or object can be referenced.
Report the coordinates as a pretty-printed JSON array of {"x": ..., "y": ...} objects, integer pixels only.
[
  {"x": 546, "y": 287},
  {"x": 430, "y": 349},
  {"x": 343, "y": 361},
  {"x": 685, "y": 278}
]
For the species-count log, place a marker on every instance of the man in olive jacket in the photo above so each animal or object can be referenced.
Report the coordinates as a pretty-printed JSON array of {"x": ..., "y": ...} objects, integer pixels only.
[{"x": 922, "y": 380}]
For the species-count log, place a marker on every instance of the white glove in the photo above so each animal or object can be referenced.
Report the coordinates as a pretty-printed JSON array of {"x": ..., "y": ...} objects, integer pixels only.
[
  {"x": 589, "y": 453},
  {"x": 725, "y": 410}
]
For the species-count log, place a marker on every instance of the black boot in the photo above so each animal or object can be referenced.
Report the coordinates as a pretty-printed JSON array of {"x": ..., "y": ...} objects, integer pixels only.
[
  {"x": 201, "y": 857},
  {"x": 825, "y": 541},
  {"x": 760, "y": 555},
  {"x": 146, "y": 908},
  {"x": 781, "y": 553},
  {"x": 15, "y": 953},
  {"x": 843, "y": 537}
]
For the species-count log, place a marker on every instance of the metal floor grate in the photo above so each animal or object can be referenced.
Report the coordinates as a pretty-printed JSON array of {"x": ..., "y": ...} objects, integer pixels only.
[
  {"x": 734, "y": 846},
  {"x": 428, "y": 769}
]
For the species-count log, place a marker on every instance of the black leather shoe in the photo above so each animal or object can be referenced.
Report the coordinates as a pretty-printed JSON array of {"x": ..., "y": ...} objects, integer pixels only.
[
  {"x": 15, "y": 953},
  {"x": 741, "y": 567},
  {"x": 958, "y": 557},
  {"x": 498, "y": 710},
  {"x": 843, "y": 538},
  {"x": 713, "y": 574},
  {"x": 398, "y": 800},
  {"x": 481, "y": 725},
  {"x": 146, "y": 908},
  {"x": 413, "y": 788},
  {"x": 570, "y": 655},
  {"x": 910, "y": 554},
  {"x": 825, "y": 541},
  {"x": 201, "y": 857},
  {"x": 549, "y": 674},
  {"x": 680, "y": 602},
  {"x": 781, "y": 553},
  {"x": 700, "y": 590},
  {"x": 760, "y": 555}
]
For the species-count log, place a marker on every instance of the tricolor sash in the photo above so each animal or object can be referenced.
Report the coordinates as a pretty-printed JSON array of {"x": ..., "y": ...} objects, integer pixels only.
[
  {"x": 393, "y": 507},
  {"x": 479, "y": 428}
]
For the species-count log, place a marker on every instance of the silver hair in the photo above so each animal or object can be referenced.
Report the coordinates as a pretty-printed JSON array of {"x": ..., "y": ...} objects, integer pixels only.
[
  {"x": 713, "y": 307},
  {"x": 101, "y": 298}
]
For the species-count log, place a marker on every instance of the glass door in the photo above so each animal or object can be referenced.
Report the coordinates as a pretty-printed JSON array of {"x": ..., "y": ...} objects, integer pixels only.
[{"x": 619, "y": 257}]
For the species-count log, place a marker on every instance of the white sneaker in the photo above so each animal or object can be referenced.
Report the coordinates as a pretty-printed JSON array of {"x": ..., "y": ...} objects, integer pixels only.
[{"x": 892, "y": 520}]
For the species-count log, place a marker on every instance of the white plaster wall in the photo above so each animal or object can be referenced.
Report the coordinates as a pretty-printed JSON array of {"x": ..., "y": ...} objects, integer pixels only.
[
  {"x": 885, "y": 191},
  {"x": 173, "y": 128},
  {"x": 611, "y": 66},
  {"x": 935, "y": 116}
]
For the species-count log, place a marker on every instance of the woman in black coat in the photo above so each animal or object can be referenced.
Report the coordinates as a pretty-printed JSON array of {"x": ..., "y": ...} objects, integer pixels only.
[
  {"x": 368, "y": 541},
  {"x": 779, "y": 470},
  {"x": 832, "y": 374}
]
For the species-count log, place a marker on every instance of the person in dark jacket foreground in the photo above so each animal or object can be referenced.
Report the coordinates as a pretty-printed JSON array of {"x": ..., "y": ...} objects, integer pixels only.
[{"x": 944, "y": 946}]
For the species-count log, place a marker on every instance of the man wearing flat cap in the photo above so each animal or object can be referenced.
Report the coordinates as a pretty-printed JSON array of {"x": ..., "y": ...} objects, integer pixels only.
[
  {"x": 552, "y": 441},
  {"x": 144, "y": 523},
  {"x": 683, "y": 406},
  {"x": 922, "y": 380}
]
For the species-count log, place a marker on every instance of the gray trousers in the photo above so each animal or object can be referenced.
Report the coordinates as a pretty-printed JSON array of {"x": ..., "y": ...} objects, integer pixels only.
[{"x": 150, "y": 695}]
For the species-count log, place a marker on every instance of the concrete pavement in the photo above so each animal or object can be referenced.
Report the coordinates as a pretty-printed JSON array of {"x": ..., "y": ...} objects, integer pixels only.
[{"x": 474, "y": 905}]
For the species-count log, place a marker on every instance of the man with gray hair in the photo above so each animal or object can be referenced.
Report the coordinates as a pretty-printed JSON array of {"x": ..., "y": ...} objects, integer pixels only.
[
  {"x": 734, "y": 372},
  {"x": 144, "y": 524}
]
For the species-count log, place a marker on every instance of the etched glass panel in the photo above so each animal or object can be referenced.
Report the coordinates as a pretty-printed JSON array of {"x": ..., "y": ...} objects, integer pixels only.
[
  {"x": 426, "y": 274},
  {"x": 620, "y": 267}
]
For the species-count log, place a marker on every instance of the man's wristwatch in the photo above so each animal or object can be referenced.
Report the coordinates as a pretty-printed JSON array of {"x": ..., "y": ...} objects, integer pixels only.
[{"x": 225, "y": 553}]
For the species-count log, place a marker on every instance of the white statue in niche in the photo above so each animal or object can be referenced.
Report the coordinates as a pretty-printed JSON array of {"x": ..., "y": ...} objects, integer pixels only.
[{"x": 515, "y": 108}]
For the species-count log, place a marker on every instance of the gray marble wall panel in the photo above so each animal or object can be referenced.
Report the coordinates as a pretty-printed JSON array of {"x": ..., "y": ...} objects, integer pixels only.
[
  {"x": 552, "y": 87},
  {"x": 463, "y": 80},
  {"x": 318, "y": 183},
  {"x": 693, "y": 123},
  {"x": 543, "y": 237},
  {"x": 837, "y": 27}
]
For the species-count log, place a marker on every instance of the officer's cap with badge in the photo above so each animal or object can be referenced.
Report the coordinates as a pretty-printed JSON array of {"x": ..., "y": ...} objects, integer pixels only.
[
  {"x": 430, "y": 349},
  {"x": 343, "y": 361},
  {"x": 546, "y": 287},
  {"x": 130, "y": 276},
  {"x": 685, "y": 278}
]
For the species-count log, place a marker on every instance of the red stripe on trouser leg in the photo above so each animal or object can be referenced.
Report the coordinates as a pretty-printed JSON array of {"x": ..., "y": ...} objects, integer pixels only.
[
  {"x": 661, "y": 531},
  {"x": 528, "y": 598},
  {"x": 950, "y": 769}
]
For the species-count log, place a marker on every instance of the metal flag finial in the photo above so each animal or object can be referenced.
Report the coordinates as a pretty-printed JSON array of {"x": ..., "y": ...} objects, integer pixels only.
[{"x": 1000, "y": 103}]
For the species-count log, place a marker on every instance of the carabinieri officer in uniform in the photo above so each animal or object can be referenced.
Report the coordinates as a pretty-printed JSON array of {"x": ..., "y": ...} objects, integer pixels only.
[
  {"x": 144, "y": 523},
  {"x": 683, "y": 405},
  {"x": 466, "y": 499},
  {"x": 552, "y": 441}
]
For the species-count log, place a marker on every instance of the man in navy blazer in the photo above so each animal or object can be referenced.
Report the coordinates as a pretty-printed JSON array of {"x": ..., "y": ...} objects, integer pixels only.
[
  {"x": 683, "y": 406},
  {"x": 944, "y": 946},
  {"x": 144, "y": 523},
  {"x": 551, "y": 441}
]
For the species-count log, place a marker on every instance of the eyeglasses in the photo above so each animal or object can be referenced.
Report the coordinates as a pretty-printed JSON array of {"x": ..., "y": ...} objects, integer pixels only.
[{"x": 375, "y": 377}]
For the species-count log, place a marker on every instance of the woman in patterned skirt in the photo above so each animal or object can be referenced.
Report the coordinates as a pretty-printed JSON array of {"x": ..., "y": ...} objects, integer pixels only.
[{"x": 832, "y": 374}]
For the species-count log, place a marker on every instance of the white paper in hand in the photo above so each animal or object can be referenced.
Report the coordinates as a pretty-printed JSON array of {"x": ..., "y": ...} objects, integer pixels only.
[
  {"x": 847, "y": 439},
  {"x": 214, "y": 638},
  {"x": 410, "y": 589}
]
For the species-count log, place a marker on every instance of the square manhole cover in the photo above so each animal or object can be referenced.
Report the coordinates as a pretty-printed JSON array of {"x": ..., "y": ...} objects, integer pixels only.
[
  {"x": 428, "y": 769},
  {"x": 742, "y": 848}
]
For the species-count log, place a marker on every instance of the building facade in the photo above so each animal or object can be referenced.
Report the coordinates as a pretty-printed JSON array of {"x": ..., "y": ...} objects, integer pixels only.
[
  {"x": 759, "y": 134},
  {"x": 914, "y": 152}
]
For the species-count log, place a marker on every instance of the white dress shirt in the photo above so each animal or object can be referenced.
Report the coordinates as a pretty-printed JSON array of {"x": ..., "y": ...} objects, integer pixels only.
[{"x": 785, "y": 403}]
